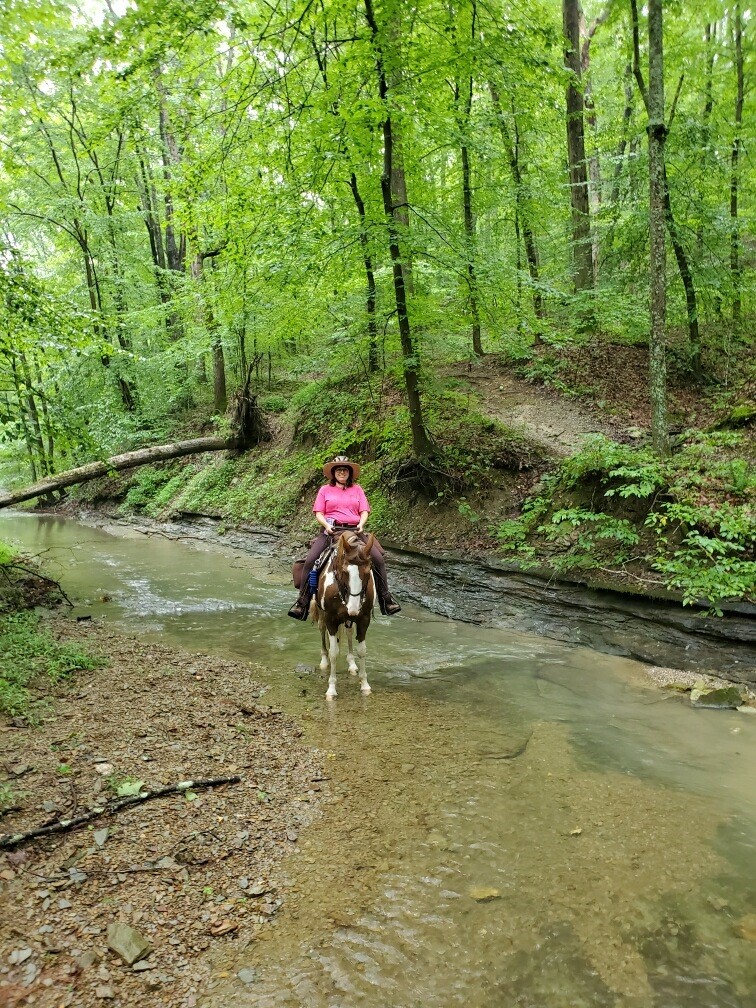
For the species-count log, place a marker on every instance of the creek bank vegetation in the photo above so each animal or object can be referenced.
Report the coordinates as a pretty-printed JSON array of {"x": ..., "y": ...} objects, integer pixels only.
[
  {"x": 125, "y": 898},
  {"x": 607, "y": 509}
]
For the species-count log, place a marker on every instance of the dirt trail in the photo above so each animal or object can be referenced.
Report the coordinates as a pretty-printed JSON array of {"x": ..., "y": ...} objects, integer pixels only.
[{"x": 542, "y": 414}]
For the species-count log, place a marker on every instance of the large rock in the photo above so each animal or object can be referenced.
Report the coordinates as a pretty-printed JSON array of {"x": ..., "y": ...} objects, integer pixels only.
[
  {"x": 128, "y": 943},
  {"x": 716, "y": 696}
]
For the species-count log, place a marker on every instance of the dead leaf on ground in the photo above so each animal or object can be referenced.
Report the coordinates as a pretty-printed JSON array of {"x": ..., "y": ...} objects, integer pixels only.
[{"x": 226, "y": 926}]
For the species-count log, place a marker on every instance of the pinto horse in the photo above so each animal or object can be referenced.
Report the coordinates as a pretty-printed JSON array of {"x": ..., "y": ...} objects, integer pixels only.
[{"x": 344, "y": 600}]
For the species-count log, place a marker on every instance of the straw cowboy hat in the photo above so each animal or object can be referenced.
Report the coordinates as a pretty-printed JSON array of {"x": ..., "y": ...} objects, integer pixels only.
[{"x": 341, "y": 460}]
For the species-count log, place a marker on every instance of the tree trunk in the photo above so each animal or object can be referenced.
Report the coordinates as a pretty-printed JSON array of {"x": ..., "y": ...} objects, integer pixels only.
[
  {"x": 710, "y": 35},
  {"x": 627, "y": 115},
  {"x": 522, "y": 200},
  {"x": 370, "y": 289},
  {"x": 152, "y": 221},
  {"x": 594, "y": 165},
  {"x": 658, "y": 198},
  {"x": 681, "y": 257},
  {"x": 142, "y": 456},
  {"x": 207, "y": 320},
  {"x": 735, "y": 270},
  {"x": 393, "y": 203},
  {"x": 22, "y": 417},
  {"x": 683, "y": 265},
  {"x": 463, "y": 96},
  {"x": 582, "y": 262},
  {"x": 470, "y": 244}
]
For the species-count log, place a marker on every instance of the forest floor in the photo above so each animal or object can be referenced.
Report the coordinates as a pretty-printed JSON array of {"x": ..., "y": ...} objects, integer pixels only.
[{"x": 191, "y": 872}]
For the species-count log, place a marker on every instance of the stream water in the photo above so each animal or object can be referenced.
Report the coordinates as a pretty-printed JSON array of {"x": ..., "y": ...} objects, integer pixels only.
[{"x": 511, "y": 821}]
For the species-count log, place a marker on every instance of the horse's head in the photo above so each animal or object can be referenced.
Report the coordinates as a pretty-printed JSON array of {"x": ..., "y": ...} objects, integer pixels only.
[{"x": 352, "y": 550}]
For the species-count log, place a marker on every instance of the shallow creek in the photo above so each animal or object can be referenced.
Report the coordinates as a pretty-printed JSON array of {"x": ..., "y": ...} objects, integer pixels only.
[{"x": 511, "y": 821}]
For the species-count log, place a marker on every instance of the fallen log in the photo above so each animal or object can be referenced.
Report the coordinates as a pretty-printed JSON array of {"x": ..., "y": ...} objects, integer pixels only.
[
  {"x": 12, "y": 840},
  {"x": 93, "y": 470}
]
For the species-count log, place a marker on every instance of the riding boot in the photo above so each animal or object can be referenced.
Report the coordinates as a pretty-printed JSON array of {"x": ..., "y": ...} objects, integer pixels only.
[
  {"x": 387, "y": 603},
  {"x": 301, "y": 608}
]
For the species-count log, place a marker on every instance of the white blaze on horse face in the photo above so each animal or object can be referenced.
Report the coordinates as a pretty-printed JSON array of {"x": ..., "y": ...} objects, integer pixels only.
[{"x": 355, "y": 590}]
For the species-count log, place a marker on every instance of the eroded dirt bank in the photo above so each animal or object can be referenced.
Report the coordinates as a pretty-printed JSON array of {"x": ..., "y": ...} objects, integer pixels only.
[{"x": 190, "y": 872}]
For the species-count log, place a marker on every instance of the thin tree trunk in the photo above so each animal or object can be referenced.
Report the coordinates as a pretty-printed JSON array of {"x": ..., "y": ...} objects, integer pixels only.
[
  {"x": 470, "y": 246},
  {"x": 518, "y": 267},
  {"x": 22, "y": 416},
  {"x": 522, "y": 209},
  {"x": 658, "y": 200},
  {"x": 33, "y": 414},
  {"x": 594, "y": 165},
  {"x": 735, "y": 269},
  {"x": 683, "y": 266},
  {"x": 582, "y": 261},
  {"x": 463, "y": 95},
  {"x": 151, "y": 215},
  {"x": 370, "y": 288},
  {"x": 47, "y": 426},
  {"x": 206, "y": 318},
  {"x": 686, "y": 276},
  {"x": 393, "y": 202},
  {"x": 627, "y": 115},
  {"x": 710, "y": 35}
]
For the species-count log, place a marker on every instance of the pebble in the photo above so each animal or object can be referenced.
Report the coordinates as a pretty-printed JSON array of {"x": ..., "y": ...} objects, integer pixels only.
[{"x": 19, "y": 956}]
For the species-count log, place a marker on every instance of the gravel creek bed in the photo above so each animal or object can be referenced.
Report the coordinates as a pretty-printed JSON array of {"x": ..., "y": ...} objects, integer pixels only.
[{"x": 195, "y": 873}]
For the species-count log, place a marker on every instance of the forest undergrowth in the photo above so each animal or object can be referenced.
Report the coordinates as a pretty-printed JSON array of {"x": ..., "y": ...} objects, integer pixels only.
[{"x": 611, "y": 510}]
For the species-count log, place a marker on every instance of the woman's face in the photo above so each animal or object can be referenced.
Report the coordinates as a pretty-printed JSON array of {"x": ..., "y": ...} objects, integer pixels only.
[{"x": 342, "y": 474}]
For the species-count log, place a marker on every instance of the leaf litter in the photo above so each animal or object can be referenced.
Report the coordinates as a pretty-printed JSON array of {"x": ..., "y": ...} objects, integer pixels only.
[{"x": 169, "y": 869}]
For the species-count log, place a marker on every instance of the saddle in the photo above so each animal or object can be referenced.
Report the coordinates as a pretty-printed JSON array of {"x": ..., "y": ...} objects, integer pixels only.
[{"x": 298, "y": 565}]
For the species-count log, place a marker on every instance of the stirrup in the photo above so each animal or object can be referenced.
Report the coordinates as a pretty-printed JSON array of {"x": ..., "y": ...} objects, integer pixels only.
[
  {"x": 389, "y": 606},
  {"x": 299, "y": 610}
]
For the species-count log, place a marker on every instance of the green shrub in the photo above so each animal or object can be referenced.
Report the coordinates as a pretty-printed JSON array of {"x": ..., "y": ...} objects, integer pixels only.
[
  {"x": 31, "y": 659},
  {"x": 691, "y": 515},
  {"x": 148, "y": 482},
  {"x": 273, "y": 403}
]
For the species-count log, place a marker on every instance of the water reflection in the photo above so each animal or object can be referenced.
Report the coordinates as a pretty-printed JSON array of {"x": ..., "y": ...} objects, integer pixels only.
[{"x": 514, "y": 822}]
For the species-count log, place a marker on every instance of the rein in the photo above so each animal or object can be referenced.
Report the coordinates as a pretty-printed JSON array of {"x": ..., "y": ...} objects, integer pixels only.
[{"x": 343, "y": 589}]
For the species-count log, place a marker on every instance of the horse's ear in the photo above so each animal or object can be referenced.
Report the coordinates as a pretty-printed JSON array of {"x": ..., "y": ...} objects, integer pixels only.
[{"x": 367, "y": 547}]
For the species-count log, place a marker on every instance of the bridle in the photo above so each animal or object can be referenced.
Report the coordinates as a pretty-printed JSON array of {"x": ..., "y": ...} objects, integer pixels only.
[{"x": 343, "y": 589}]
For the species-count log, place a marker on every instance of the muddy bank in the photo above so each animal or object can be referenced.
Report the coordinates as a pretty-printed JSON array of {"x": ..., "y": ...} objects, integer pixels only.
[
  {"x": 194, "y": 872},
  {"x": 658, "y": 631}
]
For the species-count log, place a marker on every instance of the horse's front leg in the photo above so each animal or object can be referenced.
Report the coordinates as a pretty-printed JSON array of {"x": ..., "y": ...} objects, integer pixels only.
[
  {"x": 323, "y": 648},
  {"x": 333, "y": 653},
  {"x": 351, "y": 663},
  {"x": 361, "y": 652}
]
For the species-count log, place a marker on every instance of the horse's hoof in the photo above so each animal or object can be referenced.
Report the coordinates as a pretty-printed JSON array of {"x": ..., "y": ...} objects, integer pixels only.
[
  {"x": 365, "y": 690},
  {"x": 331, "y": 695},
  {"x": 352, "y": 671}
]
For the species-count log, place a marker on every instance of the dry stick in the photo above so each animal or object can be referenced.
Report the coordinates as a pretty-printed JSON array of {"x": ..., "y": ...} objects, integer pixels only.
[{"x": 17, "y": 839}]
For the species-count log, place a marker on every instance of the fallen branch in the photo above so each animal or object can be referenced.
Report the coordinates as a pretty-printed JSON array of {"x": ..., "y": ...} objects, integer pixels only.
[
  {"x": 117, "y": 463},
  {"x": 10, "y": 840}
]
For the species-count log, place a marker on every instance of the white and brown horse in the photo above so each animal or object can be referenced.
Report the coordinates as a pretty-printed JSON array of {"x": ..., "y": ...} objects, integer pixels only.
[{"x": 342, "y": 603}]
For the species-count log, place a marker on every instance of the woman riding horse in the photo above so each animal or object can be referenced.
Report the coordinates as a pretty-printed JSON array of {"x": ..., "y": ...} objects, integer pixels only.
[{"x": 341, "y": 504}]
